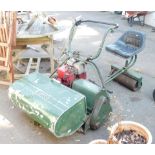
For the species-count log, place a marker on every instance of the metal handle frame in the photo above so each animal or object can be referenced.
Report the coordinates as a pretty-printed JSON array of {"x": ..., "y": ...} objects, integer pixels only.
[
  {"x": 89, "y": 60},
  {"x": 79, "y": 22}
]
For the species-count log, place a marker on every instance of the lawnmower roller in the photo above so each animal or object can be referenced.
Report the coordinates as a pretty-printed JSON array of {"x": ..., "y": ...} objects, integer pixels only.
[{"x": 129, "y": 79}]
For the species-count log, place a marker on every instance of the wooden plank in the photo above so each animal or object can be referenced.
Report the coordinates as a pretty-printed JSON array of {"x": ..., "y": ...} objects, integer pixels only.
[
  {"x": 2, "y": 48},
  {"x": 5, "y": 34},
  {"x": 5, "y": 51},
  {"x": 31, "y": 22},
  {"x": 20, "y": 47},
  {"x": 30, "y": 41},
  {"x": 10, "y": 29},
  {"x": 29, "y": 66},
  {"x": 5, "y": 82},
  {"x": 38, "y": 64},
  {"x": 6, "y": 40},
  {"x": 4, "y": 44},
  {"x": 14, "y": 29},
  {"x": 18, "y": 76},
  {"x": 1, "y": 63},
  {"x": 0, "y": 17},
  {"x": 5, "y": 68},
  {"x": 11, "y": 71},
  {"x": 2, "y": 59},
  {"x": 50, "y": 51}
]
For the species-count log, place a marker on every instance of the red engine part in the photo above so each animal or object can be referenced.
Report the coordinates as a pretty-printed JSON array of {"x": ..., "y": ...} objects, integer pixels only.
[
  {"x": 66, "y": 75},
  {"x": 81, "y": 76}
]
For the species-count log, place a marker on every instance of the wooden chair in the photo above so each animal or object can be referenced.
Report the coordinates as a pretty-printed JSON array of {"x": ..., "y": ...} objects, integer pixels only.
[{"x": 7, "y": 41}]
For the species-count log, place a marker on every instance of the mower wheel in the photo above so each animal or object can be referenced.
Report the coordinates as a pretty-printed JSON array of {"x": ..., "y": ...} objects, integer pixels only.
[
  {"x": 100, "y": 112},
  {"x": 94, "y": 126}
]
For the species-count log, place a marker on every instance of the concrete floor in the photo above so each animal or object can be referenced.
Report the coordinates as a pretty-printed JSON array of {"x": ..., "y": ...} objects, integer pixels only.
[{"x": 17, "y": 127}]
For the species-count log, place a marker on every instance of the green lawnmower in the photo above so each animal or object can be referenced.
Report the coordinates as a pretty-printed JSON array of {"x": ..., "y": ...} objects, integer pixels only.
[{"x": 66, "y": 101}]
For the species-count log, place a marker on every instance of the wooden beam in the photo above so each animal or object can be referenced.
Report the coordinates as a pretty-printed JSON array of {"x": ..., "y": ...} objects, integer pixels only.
[
  {"x": 2, "y": 59},
  {"x": 30, "y": 41},
  {"x": 4, "y": 44},
  {"x": 5, "y": 82},
  {"x": 4, "y": 68}
]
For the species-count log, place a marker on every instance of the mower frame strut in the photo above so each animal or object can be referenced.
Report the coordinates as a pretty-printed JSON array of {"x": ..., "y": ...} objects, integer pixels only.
[{"x": 128, "y": 64}]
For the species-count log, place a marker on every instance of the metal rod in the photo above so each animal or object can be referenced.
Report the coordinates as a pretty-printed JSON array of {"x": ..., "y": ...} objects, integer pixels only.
[
  {"x": 58, "y": 67},
  {"x": 98, "y": 71},
  {"x": 122, "y": 70},
  {"x": 101, "y": 46},
  {"x": 77, "y": 23}
]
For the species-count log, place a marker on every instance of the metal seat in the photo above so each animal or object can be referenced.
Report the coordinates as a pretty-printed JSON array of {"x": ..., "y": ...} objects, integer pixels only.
[{"x": 128, "y": 45}]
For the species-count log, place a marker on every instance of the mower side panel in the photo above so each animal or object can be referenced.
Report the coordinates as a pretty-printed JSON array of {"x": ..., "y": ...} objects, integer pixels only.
[
  {"x": 98, "y": 102},
  {"x": 53, "y": 105},
  {"x": 89, "y": 89}
]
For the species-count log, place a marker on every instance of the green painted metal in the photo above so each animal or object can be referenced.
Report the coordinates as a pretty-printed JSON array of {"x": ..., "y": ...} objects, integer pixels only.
[
  {"x": 53, "y": 105},
  {"x": 135, "y": 75},
  {"x": 100, "y": 111},
  {"x": 128, "y": 64},
  {"x": 90, "y": 90},
  {"x": 98, "y": 102}
]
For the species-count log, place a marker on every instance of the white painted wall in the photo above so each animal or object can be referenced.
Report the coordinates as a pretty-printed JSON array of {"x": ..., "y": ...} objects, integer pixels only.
[{"x": 150, "y": 19}]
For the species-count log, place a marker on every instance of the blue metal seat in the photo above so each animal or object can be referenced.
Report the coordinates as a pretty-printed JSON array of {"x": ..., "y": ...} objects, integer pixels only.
[{"x": 128, "y": 45}]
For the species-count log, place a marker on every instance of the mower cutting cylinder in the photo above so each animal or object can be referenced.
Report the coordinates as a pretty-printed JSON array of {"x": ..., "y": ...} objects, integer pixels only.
[
  {"x": 51, "y": 104},
  {"x": 98, "y": 102}
]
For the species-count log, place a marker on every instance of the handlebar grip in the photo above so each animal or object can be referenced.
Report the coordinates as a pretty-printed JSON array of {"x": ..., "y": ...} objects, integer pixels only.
[{"x": 116, "y": 27}]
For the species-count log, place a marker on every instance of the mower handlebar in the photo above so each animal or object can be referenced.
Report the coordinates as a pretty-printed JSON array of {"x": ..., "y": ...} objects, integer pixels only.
[{"x": 79, "y": 22}]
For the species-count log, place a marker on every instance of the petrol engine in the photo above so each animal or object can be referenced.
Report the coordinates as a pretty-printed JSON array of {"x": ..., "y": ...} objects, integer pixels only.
[{"x": 71, "y": 71}]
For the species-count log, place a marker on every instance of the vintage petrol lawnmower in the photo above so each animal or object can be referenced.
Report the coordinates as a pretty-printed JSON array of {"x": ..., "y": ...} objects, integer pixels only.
[{"x": 67, "y": 101}]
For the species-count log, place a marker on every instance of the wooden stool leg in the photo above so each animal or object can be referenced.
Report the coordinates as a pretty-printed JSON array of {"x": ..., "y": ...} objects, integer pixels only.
[
  {"x": 51, "y": 53},
  {"x": 38, "y": 64},
  {"x": 11, "y": 70},
  {"x": 29, "y": 66},
  {"x": 11, "y": 75}
]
